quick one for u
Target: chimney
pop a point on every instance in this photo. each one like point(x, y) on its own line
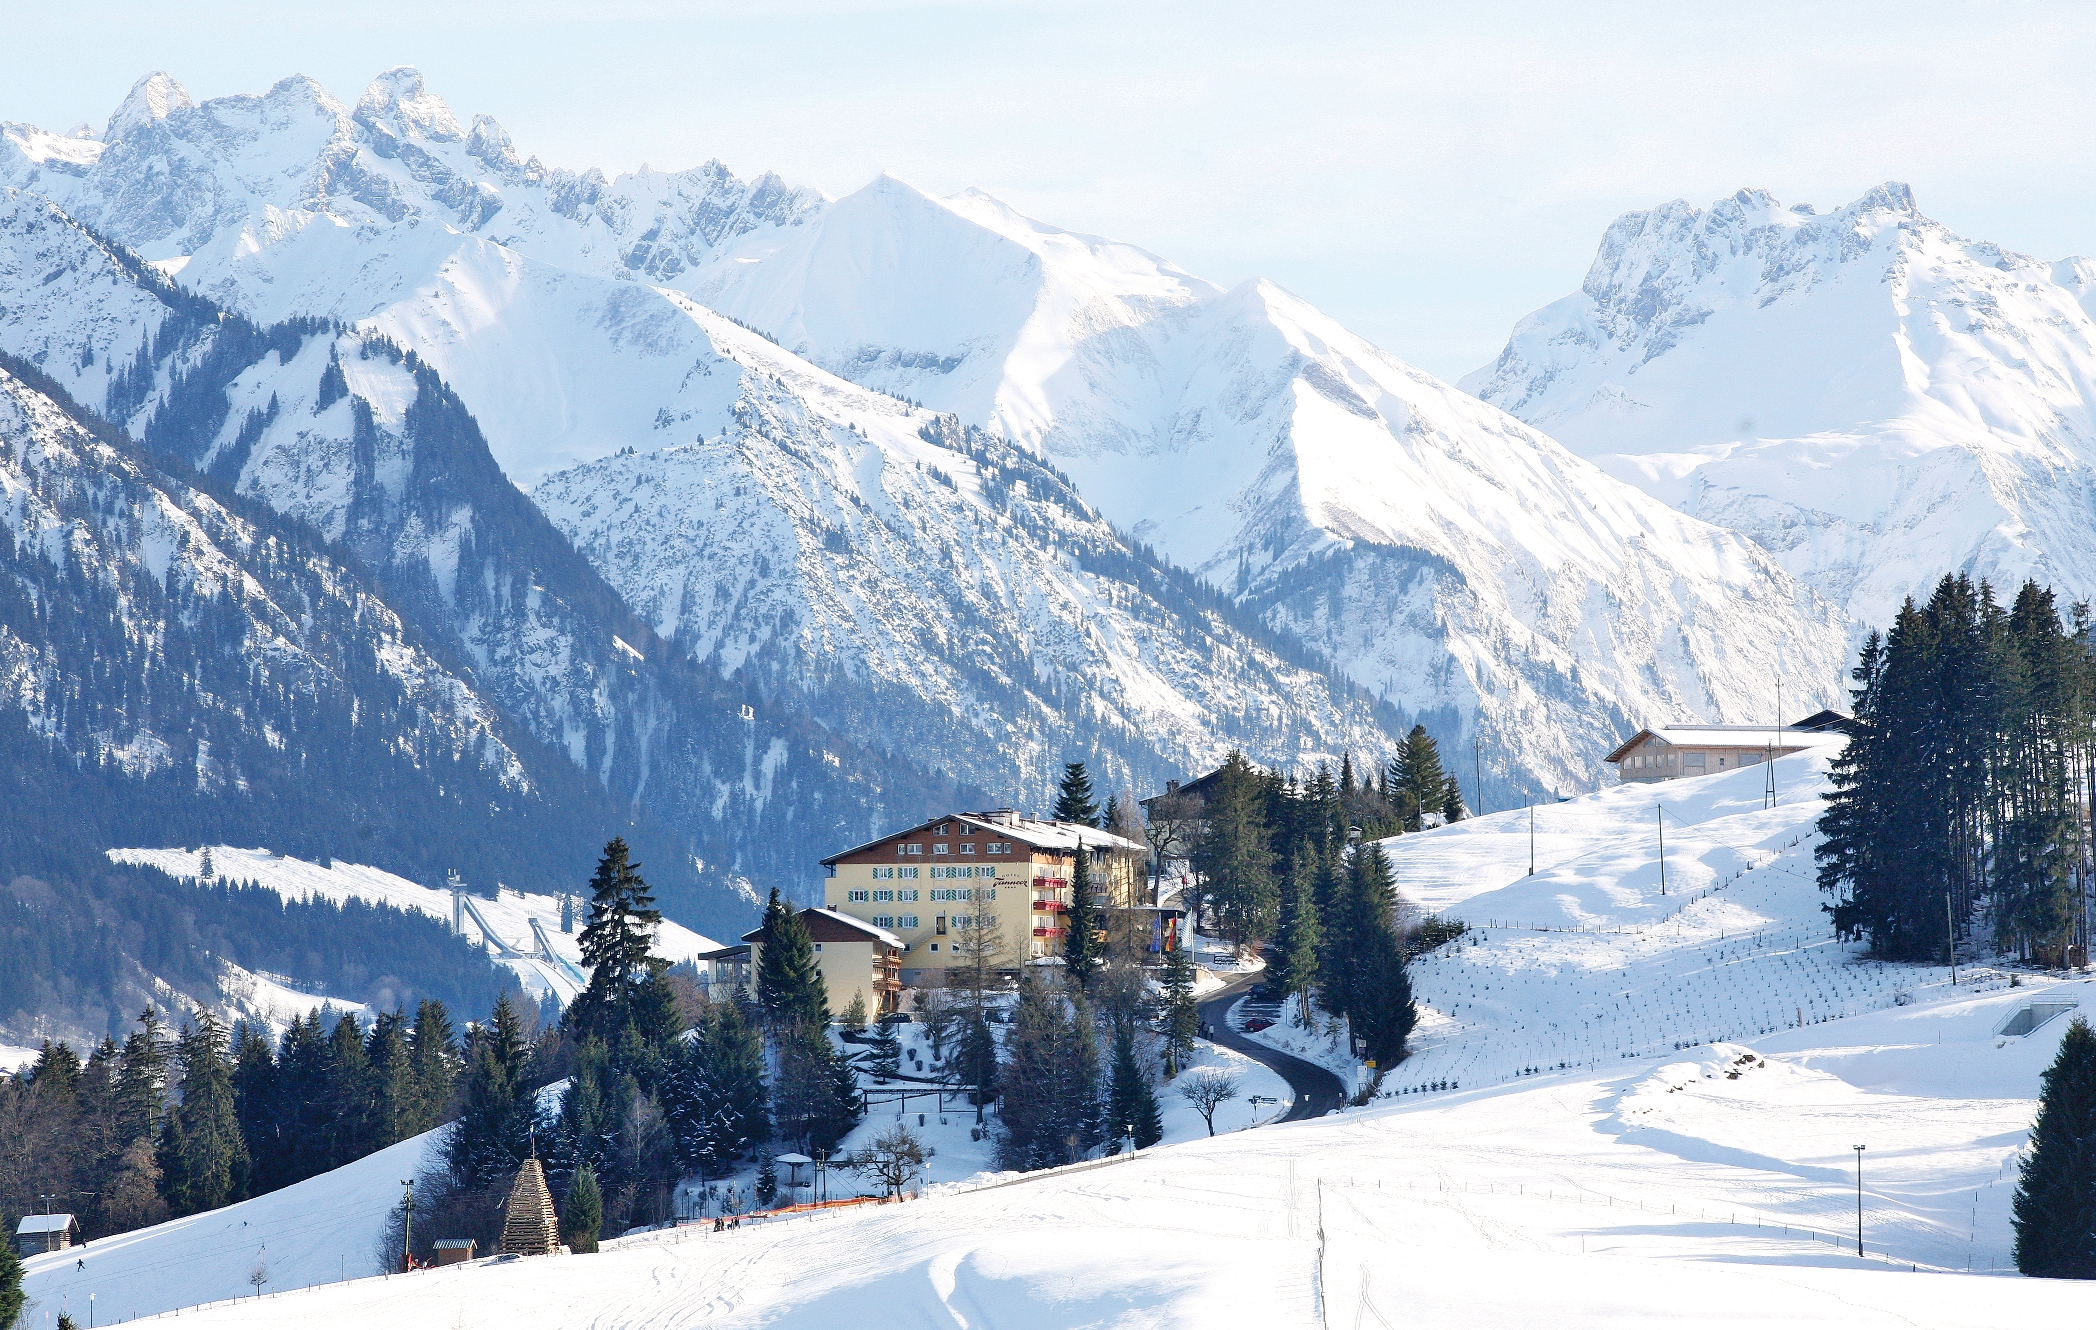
point(1171, 787)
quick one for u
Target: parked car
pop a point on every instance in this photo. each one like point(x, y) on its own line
point(1256, 1024)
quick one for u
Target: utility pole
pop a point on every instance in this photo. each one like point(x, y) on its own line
point(407, 1233)
point(1859, 1200)
point(1531, 836)
point(1768, 793)
point(1477, 770)
point(1660, 814)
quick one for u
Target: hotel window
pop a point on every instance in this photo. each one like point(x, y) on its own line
point(909, 921)
point(908, 895)
point(884, 895)
point(908, 875)
point(913, 849)
point(967, 849)
point(935, 946)
point(967, 830)
point(818, 948)
point(942, 849)
point(943, 827)
point(989, 894)
point(855, 895)
point(884, 921)
point(887, 871)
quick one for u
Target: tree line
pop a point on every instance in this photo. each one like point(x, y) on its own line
point(1961, 804)
point(174, 1122)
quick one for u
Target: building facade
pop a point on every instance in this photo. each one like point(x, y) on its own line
point(1672, 752)
point(993, 884)
point(855, 957)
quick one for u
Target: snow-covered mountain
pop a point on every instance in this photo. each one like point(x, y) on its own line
point(1873, 398)
point(365, 445)
point(1465, 567)
point(989, 639)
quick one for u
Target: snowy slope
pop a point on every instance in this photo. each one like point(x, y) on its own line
point(1870, 396)
point(1465, 567)
point(1694, 1165)
point(314, 1232)
point(510, 914)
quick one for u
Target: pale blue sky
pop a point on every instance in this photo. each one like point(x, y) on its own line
point(1426, 173)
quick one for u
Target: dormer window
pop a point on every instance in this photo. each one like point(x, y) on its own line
point(942, 829)
point(967, 830)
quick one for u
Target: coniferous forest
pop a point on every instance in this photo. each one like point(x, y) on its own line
point(1962, 801)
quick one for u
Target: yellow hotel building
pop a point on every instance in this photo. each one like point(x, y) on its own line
point(932, 884)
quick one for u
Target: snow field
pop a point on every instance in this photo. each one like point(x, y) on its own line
point(510, 915)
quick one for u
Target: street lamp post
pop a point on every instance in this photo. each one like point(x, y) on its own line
point(407, 1230)
point(1859, 1200)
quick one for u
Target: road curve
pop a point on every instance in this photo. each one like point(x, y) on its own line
point(1317, 1091)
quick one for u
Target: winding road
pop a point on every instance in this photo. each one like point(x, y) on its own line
point(1317, 1091)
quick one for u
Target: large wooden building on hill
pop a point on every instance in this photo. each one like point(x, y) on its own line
point(1671, 752)
point(945, 886)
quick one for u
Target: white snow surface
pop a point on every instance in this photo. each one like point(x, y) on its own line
point(1459, 564)
point(510, 914)
point(1873, 398)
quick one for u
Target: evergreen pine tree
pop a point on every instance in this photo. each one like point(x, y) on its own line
point(203, 1159)
point(1131, 1107)
point(1031, 1075)
point(394, 1093)
point(1078, 1110)
point(1452, 801)
point(1233, 857)
point(2055, 1205)
point(493, 1135)
point(616, 943)
point(1074, 801)
point(351, 1103)
point(11, 1295)
point(886, 1062)
point(975, 1062)
point(433, 1057)
point(1081, 941)
point(1417, 772)
point(767, 1181)
point(255, 1097)
point(583, 1215)
point(789, 986)
point(141, 1085)
point(1292, 963)
point(1180, 1017)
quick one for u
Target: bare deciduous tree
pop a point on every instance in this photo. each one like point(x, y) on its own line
point(891, 1158)
point(1207, 1090)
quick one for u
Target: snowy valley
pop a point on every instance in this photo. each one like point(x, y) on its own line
point(1647, 1102)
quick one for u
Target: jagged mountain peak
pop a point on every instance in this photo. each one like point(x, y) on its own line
point(1871, 396)
point(399, 103)
point(153, 98)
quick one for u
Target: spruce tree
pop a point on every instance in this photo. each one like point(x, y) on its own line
point(255, 1097)
point(141, 1086)
point(351, 1104)
point(1292, 963)
point(493, 1134)
point(433, 1056)
point(1233, 857)
point(1081, 941)
point(616, 943)
point(2055, 1205)
point(1031, 1076)
point(789, 986)
point(1074, 801)
point(1078, 1086)
point(886, 1062)
point(11, 1295)
point(583, 1215)
point(1180, 1018)
point(1131, 1106)
point(1417, 772)
point(975, 1062)
point(1452, 801)
point(203, 1159)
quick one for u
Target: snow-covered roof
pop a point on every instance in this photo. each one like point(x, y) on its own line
point(815, 913)
point(1039, 833)
point(34, 1224)
point(1787, 738)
